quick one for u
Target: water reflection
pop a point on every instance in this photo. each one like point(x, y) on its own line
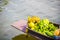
point(24, 37)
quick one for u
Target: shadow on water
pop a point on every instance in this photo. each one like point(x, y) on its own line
point(24, 37)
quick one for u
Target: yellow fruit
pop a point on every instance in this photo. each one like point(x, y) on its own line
point(56, 33)
point(32, 28)
point(31, 24)
point(29, 19)
point(35, 18)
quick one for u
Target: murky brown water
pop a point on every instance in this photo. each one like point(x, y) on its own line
point(24, 37)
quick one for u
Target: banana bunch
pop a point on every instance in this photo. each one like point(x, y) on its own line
point(32, 21)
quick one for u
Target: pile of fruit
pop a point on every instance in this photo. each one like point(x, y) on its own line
point(43, 26)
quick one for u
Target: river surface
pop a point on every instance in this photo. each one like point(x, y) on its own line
point(20, 9)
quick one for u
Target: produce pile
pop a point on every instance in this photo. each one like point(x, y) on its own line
point(42, 26)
